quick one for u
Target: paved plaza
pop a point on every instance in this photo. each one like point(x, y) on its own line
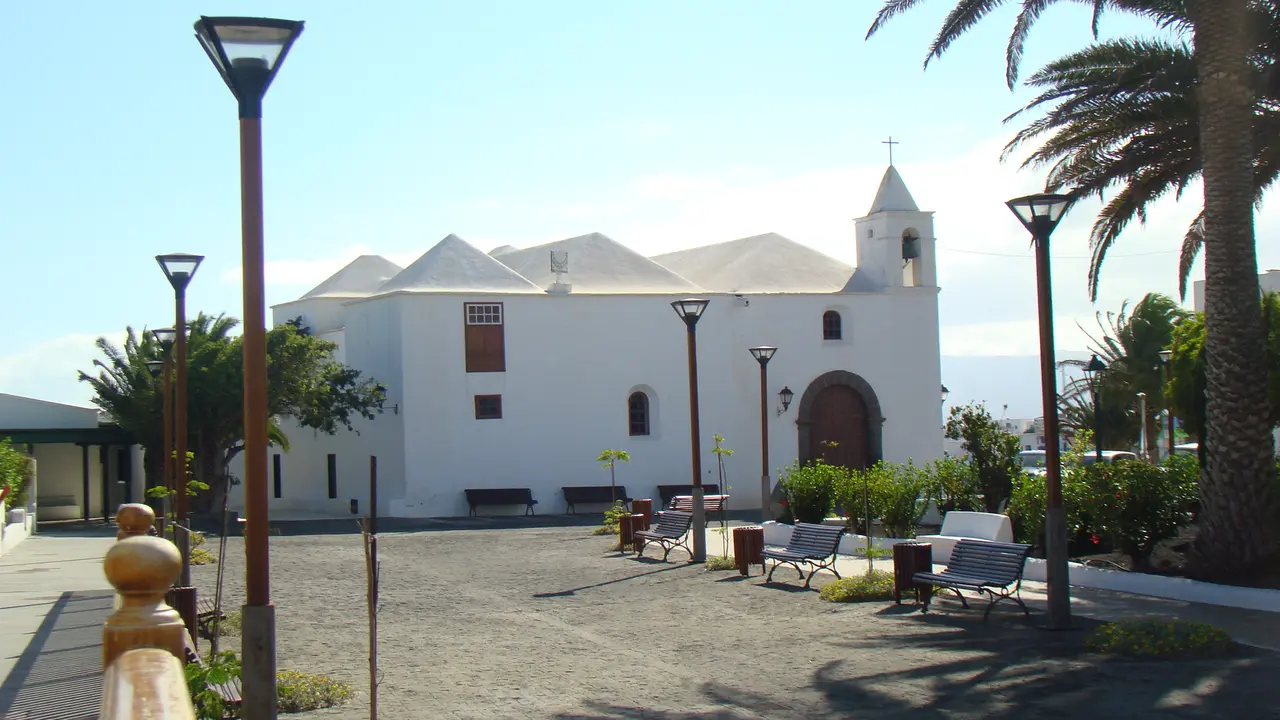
point(545, 622)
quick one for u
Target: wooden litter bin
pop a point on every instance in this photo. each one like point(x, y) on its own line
point(910, 558)
point(627, 527)
point(748, 548)
point(645, 508)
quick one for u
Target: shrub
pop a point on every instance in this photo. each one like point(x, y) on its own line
point(874, 585)
point(955, 484)
point(230, 625)
point(1026, 508)
point(1157, 638)
point(721, 562)
point(15, 472)
point(809, 490)
point(906, 499)
point(1137, 505)
point(301, 692)
point(202, 679)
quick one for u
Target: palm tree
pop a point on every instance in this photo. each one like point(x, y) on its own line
point(1124, 112)
point(1237, 538)
point(1129, 341)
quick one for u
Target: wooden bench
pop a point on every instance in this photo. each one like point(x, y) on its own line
point(985, 567)
point(812, 545)
point(207, 616)
point(501, 496)
point(711, 505)
point(230, 691)
point(594, 494)
point(670, 532)
point(667, 492)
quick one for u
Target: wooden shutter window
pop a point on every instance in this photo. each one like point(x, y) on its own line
point(485, 346)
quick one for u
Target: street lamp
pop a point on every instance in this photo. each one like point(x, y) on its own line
point(784, 398)
point(945, 394)
point(1040, 214)
point(690, 310)
point(1166, 359)
point(247, 53)
point(1094, 371)
point(178, 269)
point(165, 338)
point(763, 354)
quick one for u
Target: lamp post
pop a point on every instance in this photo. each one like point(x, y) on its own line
point(248, 53)
point(1166, 359)
point(1040, 214)
point(1094, 371)
point(763, 354)
point(165, 337)
point(179, 268)
point(690, 310)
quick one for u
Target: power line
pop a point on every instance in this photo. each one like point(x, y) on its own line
point(1029, 256)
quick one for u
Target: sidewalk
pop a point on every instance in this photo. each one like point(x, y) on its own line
point(53, 601)
point(1250, 627)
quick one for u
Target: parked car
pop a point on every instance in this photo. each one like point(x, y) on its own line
point(1033, 460)
point(1187, 449)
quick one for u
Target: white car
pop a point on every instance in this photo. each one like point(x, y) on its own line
point(1033, 460)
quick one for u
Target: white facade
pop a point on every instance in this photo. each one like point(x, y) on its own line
point(1268, 281)
point(578, 345)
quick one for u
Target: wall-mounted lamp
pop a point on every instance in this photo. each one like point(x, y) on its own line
point(784, 396)
point(382, 399)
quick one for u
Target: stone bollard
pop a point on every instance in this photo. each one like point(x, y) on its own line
point(142, 569)
point(133, 520)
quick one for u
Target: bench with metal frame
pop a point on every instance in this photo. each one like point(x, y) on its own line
point(500, 496)
point(810, 544)
point(671, 531)
point(604, 494)
point(668, 492)
point(993, 568)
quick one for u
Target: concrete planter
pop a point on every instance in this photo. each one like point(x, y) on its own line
point(16, 516)
point(778, 535)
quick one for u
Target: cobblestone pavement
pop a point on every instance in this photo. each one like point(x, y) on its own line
point(547, 623)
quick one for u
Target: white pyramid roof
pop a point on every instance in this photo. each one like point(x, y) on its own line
point(893, 195)
point(358, 278)
point(761, 263)
point(597, 264)
point(454, 265)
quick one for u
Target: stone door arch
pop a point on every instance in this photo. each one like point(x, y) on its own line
point(840, 407)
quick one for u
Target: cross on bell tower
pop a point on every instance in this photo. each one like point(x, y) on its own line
point(890, 142)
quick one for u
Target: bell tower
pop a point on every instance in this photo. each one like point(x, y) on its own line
point(896, 246)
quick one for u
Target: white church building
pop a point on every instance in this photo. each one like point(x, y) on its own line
point(502, 373)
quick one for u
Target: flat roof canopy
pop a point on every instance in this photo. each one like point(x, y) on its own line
point(101, 435)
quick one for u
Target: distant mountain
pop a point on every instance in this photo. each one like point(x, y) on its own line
point(997, 380)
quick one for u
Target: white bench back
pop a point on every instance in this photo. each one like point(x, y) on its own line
point(977, 525)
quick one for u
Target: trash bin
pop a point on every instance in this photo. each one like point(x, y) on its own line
point(645, 508)
point(748, 548)
point(628, 525)
point(910, 558)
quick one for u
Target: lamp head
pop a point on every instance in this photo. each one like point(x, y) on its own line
point(1040, 213)
point(945, 393)
point(165, 337)
point(179, 268)
point(1095, 366)
point(1166, 356)
point(763, 354)
point(690, 309)
point(247, 52)
point(784, 396)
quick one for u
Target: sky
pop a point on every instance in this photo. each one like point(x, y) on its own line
point(662, 124)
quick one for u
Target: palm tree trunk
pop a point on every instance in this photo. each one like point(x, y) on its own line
point(1236, 537)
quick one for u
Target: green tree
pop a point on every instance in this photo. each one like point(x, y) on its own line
point(993, 453)
point(1185, 391)
point(304, 382)
point(610, 458)
point(1237, 539)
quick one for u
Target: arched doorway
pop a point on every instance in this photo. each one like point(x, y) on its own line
point(839, 421)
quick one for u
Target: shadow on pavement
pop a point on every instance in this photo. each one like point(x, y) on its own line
point(59, 674)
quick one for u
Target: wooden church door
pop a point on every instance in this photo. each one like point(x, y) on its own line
point(839, 416)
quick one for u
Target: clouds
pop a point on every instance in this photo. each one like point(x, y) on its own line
point(48, 370)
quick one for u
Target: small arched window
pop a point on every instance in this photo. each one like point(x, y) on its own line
point(638, 414)
point(831, 329)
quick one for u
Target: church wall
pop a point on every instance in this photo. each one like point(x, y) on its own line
point(571, 363)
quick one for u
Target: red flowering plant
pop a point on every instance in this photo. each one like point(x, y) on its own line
point(1137, 505)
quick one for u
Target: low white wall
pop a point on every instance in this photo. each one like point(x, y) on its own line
point(12, 533)
point(1162, 586)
